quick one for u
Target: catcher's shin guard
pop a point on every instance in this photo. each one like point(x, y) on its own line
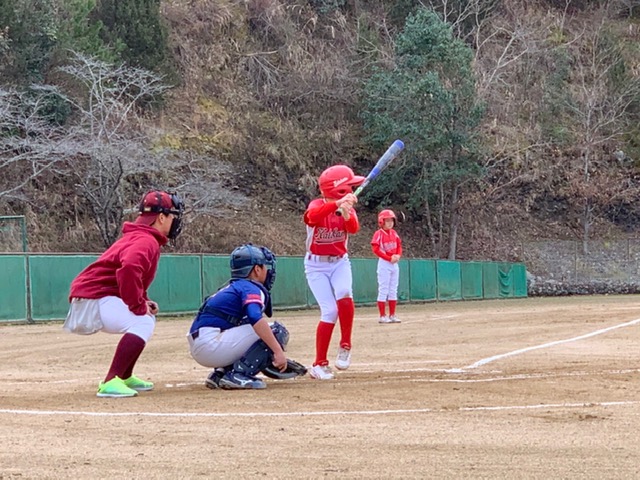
point(259, 356)
point(254, 360)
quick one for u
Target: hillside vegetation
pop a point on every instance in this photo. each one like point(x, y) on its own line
point(521, 119)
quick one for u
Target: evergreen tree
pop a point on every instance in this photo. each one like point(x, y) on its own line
point(429, 101)
point(78, 33)
point(137, 26)
point(30, 31)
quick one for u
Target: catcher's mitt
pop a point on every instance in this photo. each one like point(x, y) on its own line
point(294, 369)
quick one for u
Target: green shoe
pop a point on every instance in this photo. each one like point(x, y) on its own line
point(115, 388)
point(137, 384)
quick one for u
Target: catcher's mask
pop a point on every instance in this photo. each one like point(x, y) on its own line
point(246, 256)
point(384, 215)
point(156, 202)
point(335, 182)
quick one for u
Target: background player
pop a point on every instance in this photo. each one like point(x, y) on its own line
point(114, 288)
point(230, 333)
point(327, 266)
point(387, 246)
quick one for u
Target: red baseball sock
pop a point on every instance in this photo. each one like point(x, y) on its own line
point(127, 353)
point(392, 307)
point(346, 312)
point(323, 339)
point(381, 308)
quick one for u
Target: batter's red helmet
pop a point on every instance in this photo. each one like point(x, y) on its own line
point(384, 215)
point(335, 182)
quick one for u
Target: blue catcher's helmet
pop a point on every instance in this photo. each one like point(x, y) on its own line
point(245, 257)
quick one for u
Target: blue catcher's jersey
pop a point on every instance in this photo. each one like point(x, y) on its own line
point(241, 302)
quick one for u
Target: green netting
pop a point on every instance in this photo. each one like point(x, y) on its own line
point(505, 276)
point(449, 280)
point(471, 274)
point(422, 278)
point(290, 289)
point(177, 284)
point(215, 273)
point(404, 285)
point(51, 277)
point(183, 281)
point(490, 280)
point(13, 294)
point(365, 279)
point(519, 280)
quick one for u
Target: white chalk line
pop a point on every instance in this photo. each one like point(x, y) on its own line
point(484, 361)
point(318, 413)
point(524, 376)
point(397, 374)
point(205, 372)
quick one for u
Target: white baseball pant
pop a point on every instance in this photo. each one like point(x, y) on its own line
point(388, 278)
point(214, 348)
point(329, 281)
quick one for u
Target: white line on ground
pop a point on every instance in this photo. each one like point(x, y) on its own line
point(397, 376)
point(316, 413)
point(484, 361)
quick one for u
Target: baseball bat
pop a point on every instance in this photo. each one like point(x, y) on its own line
point(391, 153)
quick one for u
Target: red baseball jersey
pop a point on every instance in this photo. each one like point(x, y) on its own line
point(386, 243)
point(328, 233)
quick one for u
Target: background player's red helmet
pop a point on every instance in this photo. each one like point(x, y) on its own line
point(385, 214)
point(335, 182)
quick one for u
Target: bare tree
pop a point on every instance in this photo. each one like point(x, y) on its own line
point(599, 103)
point(107, 134)
point(29, 143)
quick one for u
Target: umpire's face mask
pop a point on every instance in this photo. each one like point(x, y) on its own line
point(177, 211)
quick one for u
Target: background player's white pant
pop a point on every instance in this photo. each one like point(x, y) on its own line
point(214, 348)
point(329, 282)
point(117, 318)
point(388, 278)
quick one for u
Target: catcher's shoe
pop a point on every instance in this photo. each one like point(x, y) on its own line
point(344, 359)
point(213, 380)
point(321, 372)
point(394, 319)
point(138, 384)
point(115, 388)
point(235, 381)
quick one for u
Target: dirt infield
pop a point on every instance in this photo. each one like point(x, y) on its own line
point(532, 388)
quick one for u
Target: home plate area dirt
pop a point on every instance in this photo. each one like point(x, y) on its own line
point(520, 388)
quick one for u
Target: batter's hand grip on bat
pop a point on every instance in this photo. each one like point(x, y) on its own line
point(395, 148)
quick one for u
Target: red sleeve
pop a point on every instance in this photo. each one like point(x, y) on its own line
point(380, 253)
point(375, 246)
point(317, 211)
point(352, 225)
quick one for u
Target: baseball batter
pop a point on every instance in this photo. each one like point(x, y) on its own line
point(387, 246)
point(111, 293)
point(327, 266)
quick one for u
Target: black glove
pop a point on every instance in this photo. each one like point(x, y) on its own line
point(294, 369)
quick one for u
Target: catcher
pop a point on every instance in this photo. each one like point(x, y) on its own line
point(230, 333)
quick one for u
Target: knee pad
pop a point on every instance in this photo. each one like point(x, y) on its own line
point(281, 333)
point(255, 359)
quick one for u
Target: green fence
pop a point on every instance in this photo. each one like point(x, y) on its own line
point(39, 286)
point(13, 293)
